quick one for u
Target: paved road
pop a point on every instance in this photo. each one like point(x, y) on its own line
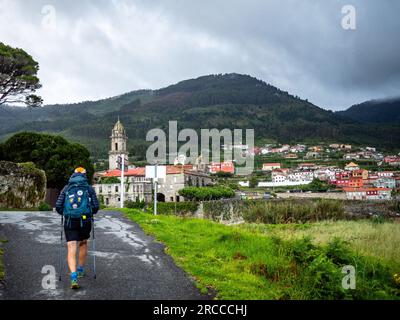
point(130, 264)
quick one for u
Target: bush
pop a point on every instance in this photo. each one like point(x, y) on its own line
point(135, 204)
point(222, 174)
point(109, 180)
point(293, 212)
point(206, 193)
point(44, 206)
point(316, 186)
point(182, 208)
point(319, 270)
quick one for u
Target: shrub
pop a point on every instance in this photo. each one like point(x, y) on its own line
point(319, 272)
point(109, 180)
point(293, 212)
point(182, 208)
point(44, 206)
point(206, 193)
point(135, 204)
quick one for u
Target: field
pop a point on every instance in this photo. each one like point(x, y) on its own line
point(379, 240)
point(281, 261)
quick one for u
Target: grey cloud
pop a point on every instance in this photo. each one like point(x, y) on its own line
point(102, 48)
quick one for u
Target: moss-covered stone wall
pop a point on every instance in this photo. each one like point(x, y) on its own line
point(22, 185)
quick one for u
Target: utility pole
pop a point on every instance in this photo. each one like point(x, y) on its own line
point(122, 181)
point(174, 198)
point(155, 189)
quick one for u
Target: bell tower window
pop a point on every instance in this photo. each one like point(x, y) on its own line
point(116, 146)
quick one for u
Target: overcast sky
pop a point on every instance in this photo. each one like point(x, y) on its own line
point(89, 50)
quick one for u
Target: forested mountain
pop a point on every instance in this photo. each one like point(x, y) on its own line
point(375, 111)
point(214, 101)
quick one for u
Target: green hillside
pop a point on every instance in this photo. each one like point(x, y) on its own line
point(375, 111)
point(214, 101)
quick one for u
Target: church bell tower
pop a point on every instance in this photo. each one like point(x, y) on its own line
point(118, 145)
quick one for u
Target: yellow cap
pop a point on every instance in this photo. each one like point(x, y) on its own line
point(80, 170)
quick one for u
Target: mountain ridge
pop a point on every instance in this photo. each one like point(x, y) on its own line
point(374, 111)
point(213, 101)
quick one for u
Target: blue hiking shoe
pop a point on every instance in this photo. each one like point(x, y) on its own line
point(74, 280)
point(81, 272)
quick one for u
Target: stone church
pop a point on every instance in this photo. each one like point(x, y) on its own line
point(137, 186)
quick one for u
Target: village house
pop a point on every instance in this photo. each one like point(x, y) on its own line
point(291, 156)
point(312, 155)
point(297, 148)
point(137, 187)
point(351, 156)
point(397, 179)
point(226, 166)
point(392, 160)
point(271, 166)
point(385, 182)
point(385, 174)
point(351, 182)
point(307, 166)
point(340, 146)
point(315, 149)
point(361, 173)
point(301, 176)
point(368, 193)
point(279, 178)
point(351, 166)
point(327, 174)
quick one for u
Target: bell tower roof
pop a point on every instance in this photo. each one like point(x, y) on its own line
point(119, 127)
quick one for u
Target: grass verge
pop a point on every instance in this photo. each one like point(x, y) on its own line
point(2, 271)
point(241, 263)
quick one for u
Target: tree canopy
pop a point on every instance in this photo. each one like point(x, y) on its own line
point(53, 154)
point(18, 77)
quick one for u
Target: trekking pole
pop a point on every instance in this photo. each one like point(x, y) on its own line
point(60, 251)
point(94, 248)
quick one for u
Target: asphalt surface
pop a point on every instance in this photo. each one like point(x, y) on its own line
point(129, 264)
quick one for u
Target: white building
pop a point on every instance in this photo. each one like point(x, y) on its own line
point(301, 176)
point(279, 178)
point(368, 193)
point(385, 174)
point(270, 166)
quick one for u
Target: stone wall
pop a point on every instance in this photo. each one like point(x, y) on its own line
point(321, 195)
point(22, 186)
point(230, 211)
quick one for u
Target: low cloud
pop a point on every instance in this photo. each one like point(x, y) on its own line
point(97, 49)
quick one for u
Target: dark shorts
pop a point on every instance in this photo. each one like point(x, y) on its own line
point(74, 231)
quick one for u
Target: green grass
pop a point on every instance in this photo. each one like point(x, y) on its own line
point(249, 262)
point(2, 272)
point(379, 240)
point(17, 209)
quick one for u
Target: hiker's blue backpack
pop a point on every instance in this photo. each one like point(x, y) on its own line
point(77, 200)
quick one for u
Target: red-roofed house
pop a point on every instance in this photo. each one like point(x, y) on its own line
point(306, 166)
point(368, 193)
point(271, 166)
point(392, 160)
point(226, 166)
